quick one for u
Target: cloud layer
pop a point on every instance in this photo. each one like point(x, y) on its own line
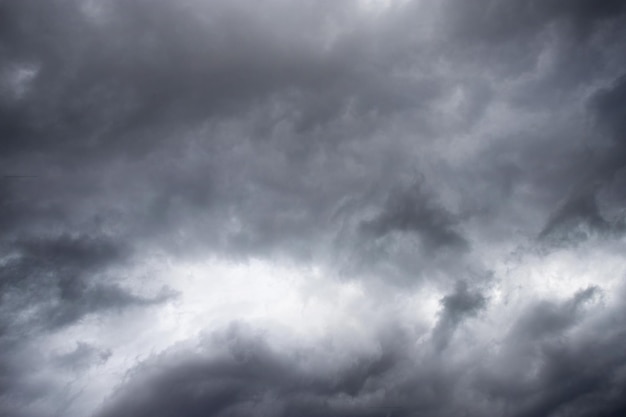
point(312, 208)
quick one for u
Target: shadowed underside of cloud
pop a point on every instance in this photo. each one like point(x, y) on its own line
point(453, 170)
point(456, 307)
point(581, 213)
point(57, 280)
point(535, 372)
point(53, 283)
point(413, 211)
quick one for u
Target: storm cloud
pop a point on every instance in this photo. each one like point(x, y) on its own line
point(312, 208)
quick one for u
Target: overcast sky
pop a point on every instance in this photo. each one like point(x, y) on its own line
point(299, 208)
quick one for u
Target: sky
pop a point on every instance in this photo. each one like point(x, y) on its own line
point(312, 208)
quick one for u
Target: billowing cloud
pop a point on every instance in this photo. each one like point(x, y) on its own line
point(316, 208)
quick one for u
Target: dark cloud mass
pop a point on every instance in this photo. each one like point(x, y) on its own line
point(312, 208)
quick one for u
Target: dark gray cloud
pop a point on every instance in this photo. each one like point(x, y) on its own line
point(577, 214)
point(414, 211)
point(604, 170)
point(458, 165)
point(59, 277)
point(457, 306)
point(83, 356)
point(608, 106)
point(248, 377)
point(502, 21)
point(550, 372)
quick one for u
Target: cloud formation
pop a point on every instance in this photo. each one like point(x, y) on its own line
point(312, 208)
